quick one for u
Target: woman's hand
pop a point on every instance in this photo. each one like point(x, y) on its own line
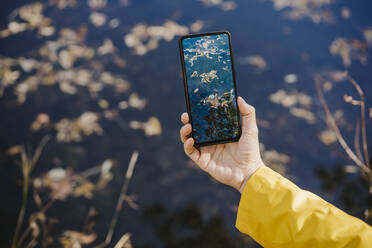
point(231, 163)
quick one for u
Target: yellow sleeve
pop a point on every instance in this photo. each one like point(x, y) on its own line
point(277, 213)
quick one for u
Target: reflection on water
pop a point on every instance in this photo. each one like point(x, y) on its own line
point(187, 227)
point(348, 188)
point(102, 79)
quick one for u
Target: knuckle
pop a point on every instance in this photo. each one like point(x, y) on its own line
point(185, 149)
point(184, 117)
point(181, 133)
point(184, 129)
point(251, 109)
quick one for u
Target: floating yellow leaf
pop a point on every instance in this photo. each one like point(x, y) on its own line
point(351, 169)
point(16, 27)
point(290, 78)
point(62, 4)
point(337, 76)
point(8, 77)
point(367, 33)
point(290, 99)
point(46, 31)
point(349, 49)
point(106, 48)
point(315, 10)
point(106, 175)
point(58, 181)
point(28, 65)
point(66, 59)
point(276, 160)
point(57, 174)
point(72, 239)
point(151, 127)
point(67, 87)
point(303, 114)
point(42, 120)
point(136, 102)
point(73, 130)
point(257, 61)
point(29, 84)
point(350, 99)
point(97, 4)
point(83, 77)
point(228, 5)
point(345, 13)
point(86, 189)
point(103, 103)
point(224, 5)
point(123, 105)
point(197, 26)
point(97, 19)
point(32, 13)
point(328, 137)
point(114, 23)
point(143, 38)
point(14, 150)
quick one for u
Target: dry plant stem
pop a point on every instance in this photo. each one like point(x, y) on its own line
point(44, 239)
point(38, 151)
point(28, 230)
point(28, 164)
point(31, 244)
point(23, 208)
point(91, 171)
point(123, 192)
point(356, 140)
point(123, 240)
point(363, 120)
point(332, 124)
point(339, 152)
point(24, 235)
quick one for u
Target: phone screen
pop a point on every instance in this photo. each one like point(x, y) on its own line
point(210, 88)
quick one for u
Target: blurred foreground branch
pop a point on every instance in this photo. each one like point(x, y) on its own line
point(363, 119)
point(27, 164)
point(119, 204)
point(331, 123)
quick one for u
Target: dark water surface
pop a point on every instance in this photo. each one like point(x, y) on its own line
point(177, 202)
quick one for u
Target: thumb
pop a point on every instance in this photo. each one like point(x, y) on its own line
point(248, 114)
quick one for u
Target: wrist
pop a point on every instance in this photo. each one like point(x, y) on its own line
point(248, 175)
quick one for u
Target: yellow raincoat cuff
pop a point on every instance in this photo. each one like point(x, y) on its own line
point(251, 202)
point(277, 213)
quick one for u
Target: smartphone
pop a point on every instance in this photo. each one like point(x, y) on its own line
point(210, 87)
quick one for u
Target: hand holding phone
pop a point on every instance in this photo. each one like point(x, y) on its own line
point(231, 163)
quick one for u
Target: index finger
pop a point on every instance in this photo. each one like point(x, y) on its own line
point(185, 118)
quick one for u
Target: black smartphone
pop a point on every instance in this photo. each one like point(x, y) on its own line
point(210, 87)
